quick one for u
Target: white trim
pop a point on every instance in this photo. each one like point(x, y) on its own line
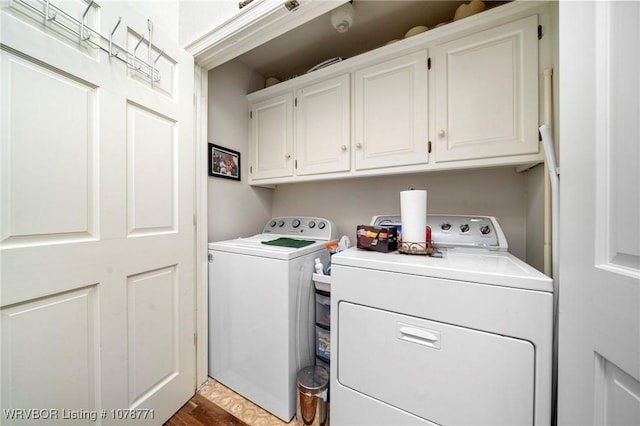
point(599, 387)
point(602, 126)
point(263, 21)
point(201, 226)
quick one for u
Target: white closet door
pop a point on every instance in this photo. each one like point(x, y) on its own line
point(599, 350)
point(96, 227)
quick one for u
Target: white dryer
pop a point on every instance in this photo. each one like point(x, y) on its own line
point(261, 322)
point(461, 339)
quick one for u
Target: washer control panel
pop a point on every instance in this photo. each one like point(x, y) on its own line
point(301, 226)
point(457, 230)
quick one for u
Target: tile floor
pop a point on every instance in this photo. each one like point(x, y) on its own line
point(240, 407)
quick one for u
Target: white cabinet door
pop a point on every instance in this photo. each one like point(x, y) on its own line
point(272, 137)
point(391, 113)
point(97, 281)
point(485, 93)
point(323, 127)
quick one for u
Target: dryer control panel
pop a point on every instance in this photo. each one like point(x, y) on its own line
point(457, 230)
point(300, 226)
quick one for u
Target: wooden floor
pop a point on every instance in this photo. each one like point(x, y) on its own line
point(199, 411)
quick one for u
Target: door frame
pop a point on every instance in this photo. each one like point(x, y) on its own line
point(257, 23)
point(200, 114)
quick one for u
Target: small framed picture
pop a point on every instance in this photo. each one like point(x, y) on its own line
point(224, 162)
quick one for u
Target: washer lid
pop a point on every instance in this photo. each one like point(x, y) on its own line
point(462, 264)
point(253, 246)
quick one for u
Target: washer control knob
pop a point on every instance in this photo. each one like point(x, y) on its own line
point(295, 223)
point(321, 225)
point(312, 224)
point(272, 224)
point(445, 226)
point(464, 228)
point(485, 229)
point(281, 223)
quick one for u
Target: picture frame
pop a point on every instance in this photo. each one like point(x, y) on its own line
point(224, 162)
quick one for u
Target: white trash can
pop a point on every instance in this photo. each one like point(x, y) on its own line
point(313, 384)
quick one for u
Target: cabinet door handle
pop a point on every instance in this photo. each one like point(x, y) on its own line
point(358, 145)
point(441, 133)
point(287, 156)
point(343, 147)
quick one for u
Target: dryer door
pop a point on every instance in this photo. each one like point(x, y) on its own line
point(439, 372)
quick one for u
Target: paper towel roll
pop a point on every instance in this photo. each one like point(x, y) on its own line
point(413, 212)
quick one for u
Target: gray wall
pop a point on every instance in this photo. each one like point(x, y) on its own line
point(235, 208)
point(499, 192)
point(535, 217)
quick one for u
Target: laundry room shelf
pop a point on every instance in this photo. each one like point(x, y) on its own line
point(322, 282)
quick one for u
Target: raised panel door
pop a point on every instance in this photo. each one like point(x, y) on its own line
point(323, 127)
point(485, 93)
point(272, 137)
point(96, 232)
point(391, 113)
point(599, 307)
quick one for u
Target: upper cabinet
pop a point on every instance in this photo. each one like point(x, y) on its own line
point(271, 142)
point(323, 130)
point(484, 92)
point(302, 132)
point(390, 103)
point(459, 96)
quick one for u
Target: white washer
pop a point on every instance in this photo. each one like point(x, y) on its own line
point(457, 340)
point(260, 310)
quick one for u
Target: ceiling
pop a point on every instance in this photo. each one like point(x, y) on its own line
point(376, 22)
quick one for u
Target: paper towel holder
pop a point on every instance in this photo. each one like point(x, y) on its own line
point(407, 247)
point(422, 247)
